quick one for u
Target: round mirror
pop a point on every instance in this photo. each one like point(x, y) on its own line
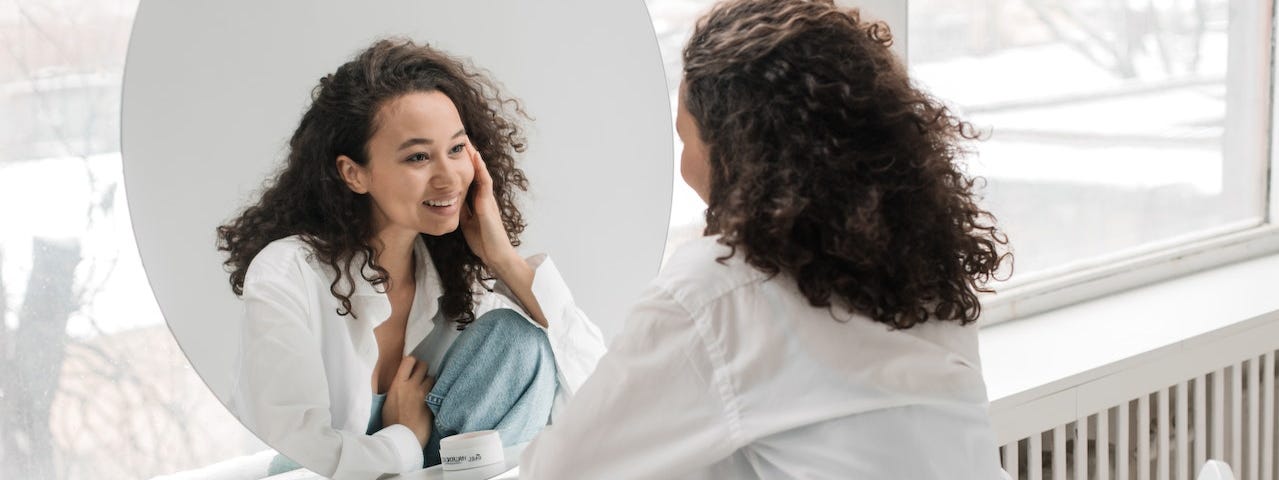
point(213, 90)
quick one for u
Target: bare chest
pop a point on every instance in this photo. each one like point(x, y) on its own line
point(390, 340)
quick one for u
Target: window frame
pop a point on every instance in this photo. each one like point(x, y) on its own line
point(1152, 263)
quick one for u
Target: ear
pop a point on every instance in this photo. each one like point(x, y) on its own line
point(355, 176)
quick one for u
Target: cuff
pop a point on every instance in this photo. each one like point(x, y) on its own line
point(549, 288)
point(407, 449)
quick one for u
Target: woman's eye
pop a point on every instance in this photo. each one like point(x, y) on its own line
point(458, 148)
point(418, 157)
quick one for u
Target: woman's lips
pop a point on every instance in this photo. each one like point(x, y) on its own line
point(444, 210)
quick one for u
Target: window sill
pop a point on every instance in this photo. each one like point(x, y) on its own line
point(1047, 365)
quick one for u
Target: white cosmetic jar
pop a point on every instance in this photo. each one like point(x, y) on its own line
point(472, 455)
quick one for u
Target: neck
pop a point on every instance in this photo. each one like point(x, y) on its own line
point(394, 252)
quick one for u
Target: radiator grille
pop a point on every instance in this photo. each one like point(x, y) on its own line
point(1168, 434)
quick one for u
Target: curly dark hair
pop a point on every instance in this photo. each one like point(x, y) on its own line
point(828, 165)
point(309, 198)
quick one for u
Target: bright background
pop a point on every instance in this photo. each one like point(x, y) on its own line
point(1115, 127)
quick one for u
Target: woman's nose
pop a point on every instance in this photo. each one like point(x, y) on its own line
point(443, 178)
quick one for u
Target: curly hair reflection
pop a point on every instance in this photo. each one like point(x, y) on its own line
point(309, 198)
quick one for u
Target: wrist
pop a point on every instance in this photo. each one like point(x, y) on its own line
point(510, 267)
point(422, 431)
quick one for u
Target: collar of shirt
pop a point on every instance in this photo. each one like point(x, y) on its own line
point(372, 306)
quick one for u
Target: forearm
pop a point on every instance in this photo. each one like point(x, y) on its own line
point(518, 277)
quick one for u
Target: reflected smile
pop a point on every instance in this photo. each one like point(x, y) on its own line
point(443, 205)
point(448, 202)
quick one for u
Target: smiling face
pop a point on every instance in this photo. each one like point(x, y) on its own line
point(418, 171)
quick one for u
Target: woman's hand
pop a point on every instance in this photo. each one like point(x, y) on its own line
point(482, 220)
point(486, 235)
point(406, 399)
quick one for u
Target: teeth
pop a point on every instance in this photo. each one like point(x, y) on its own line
point(442, 203)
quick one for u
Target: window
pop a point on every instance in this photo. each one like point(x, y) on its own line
point(1128, 141)
point(92, 385)
point(1114, 125)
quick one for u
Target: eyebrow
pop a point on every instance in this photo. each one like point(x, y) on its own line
point(426, 141)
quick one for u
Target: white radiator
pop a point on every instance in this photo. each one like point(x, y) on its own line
point(1225, 414)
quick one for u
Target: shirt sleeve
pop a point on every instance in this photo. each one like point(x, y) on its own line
point(575, 340)
point(654, 408)
point(283, 393)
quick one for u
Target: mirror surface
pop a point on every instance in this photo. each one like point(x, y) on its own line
point(213, 90)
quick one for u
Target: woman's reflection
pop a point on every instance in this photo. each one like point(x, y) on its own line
point(378, 270)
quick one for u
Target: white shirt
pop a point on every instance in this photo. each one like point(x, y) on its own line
point(721, 372)
point(304, 383)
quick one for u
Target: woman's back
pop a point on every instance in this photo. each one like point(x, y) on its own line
point(833, 185)
point(724, 372)
point(816, 394)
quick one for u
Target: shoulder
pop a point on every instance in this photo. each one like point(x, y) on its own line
point(280, 258)
point(695, 276)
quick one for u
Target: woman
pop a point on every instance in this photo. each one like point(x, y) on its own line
point(824, 326)
point(370, 331)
